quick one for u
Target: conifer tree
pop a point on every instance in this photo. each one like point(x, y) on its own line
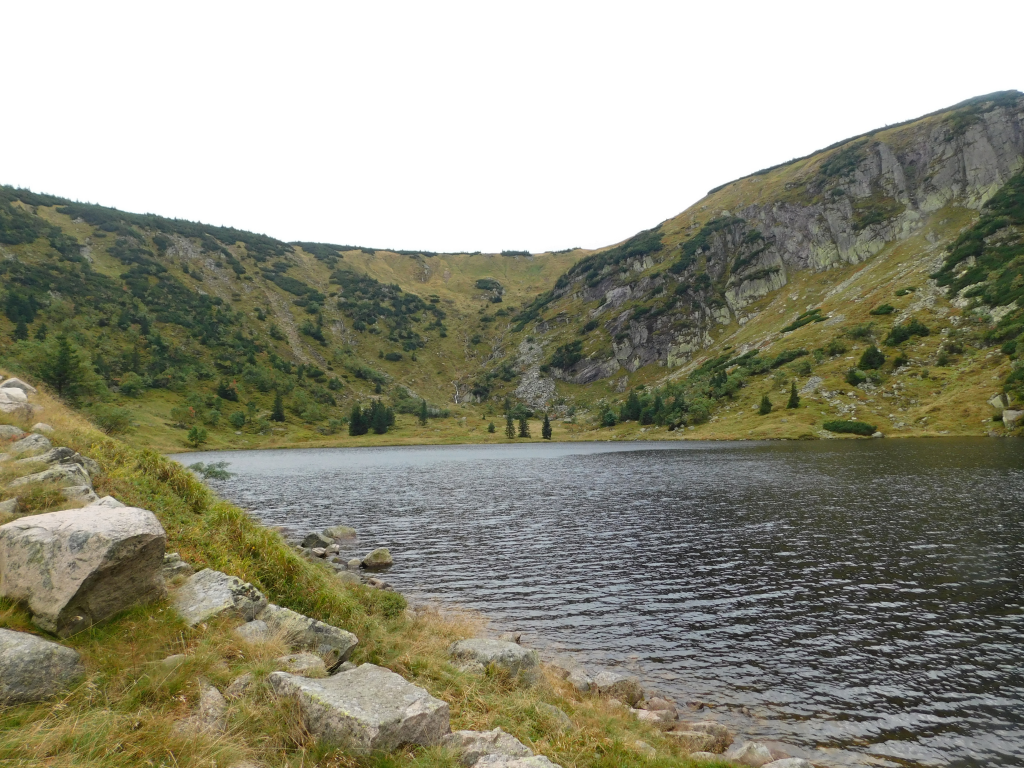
point(423, 413)
point(510, 430)
point(278, 412)
point(41, 332)
point(545, 429)
point(62, 369)
point(794, 398)
point(524, 427)
point(21, 331)
point(766, 406)
point(491, 428)
point(356, 422)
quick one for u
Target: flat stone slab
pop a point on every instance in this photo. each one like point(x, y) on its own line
point(508, 657)
point(306, 664)
point(209, 594)
point(472, 745)
point(79, 566)
point(62, 474)
point(33, 669)
point(334, 644)
point(365, 710)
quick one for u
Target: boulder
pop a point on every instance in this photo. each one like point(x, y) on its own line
point(663, 719)
point(315, 540)
point(335, 645)
point(57, 456)
point(570, 670)
point(750, 753)
point(999, 402)
point(254, 631)
point(625, 688)
point(62, 474)
point(318, 552)
point(354, 563)
point(472, 745)
point(561, 720)
point(16, 410)
point(378, 584)
point(32, 669)
point(657, 703)
point(79, 493)
point(14, 383)
point(789, 762)
point(509, 658)
point(340, 532)
point(378, 559)
point(77, 567)
point(210, 594)
point(13, 395)
point(173, 564)
point(512, 637)
point(9, 507)
point(721, 737)
point(1012, 418)
point(367, 709)
point(692, 741)
point(110, 502)
point(239, 686)
point(8, 432)
point(504, 761)
point(305, 664)
point(32, 444)
point(348, 577)
point(211, 715)
point(41, 428)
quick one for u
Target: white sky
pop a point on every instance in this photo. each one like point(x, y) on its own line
point(464, 126)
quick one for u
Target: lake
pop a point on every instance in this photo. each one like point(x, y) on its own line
point(862, 597)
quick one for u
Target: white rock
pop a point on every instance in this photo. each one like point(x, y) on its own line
point(110, 503)
point(211, 593)
point(80, 566)
point(79, 493)
point(472, 745)
point(1011, 418)
point(62, 474)
point(14, 383)
point(13, 395)
point(661, 718)
point(751, 753)
point(503, 761)
point(32, 669)
point(365, 710)
point(510, 658)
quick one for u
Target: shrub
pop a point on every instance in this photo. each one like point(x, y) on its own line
point(183, 415)
point(811, 316)
point(113, 421)
point(794, 398)
point(591, 325)
point(215, 470)
point(860, 332)
point(904, 331)
point(132, 384)
point(237, 419)
point(900, 360)
point(196, 437)
point(609, 419)
point(394, 357)
point(567, 355)
point(803, 368)
point(850, 427)
point(872, 359)
point(883, 309)
point(835, 347)
point(855, 377)
point(905, 291)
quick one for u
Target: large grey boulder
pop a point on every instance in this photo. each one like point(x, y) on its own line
point(619, 686)
point(32, 444)
point(32, 669)
point(16, 410)
point(472, 745)
point(62, 474)
point(315, 540)
point(507, 657)
point(80, 566)
point(378, 559)
point(210, 594)
point(752, 753)
point(8, 432)
point(365, 710)
point(1011, 418)
point(79, 494)
point(334, 644)
point(13, 395)
point(15, 383)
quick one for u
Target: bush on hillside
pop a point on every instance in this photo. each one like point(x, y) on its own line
point(850, 427)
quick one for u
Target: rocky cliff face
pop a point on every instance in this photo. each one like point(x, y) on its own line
point(745, 240)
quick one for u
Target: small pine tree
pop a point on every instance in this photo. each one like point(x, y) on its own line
point(524, 427)
point(423, 413)
point(510, 429)
point(794, 398)
point(545, 429)
point(377, 388)
point(278, 412)
point(62, 369)
point(491, 429)
point(41, 332)
point(766, 406)
point(21, 331)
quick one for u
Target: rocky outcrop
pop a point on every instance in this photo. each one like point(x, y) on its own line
point(366, 709)
point(33, 669)
point(210, 715)
point(77, 567)
point(62, 475)
point(209, 594)
point(1012, 418)
point(173, 565)
point(333, 644)
point(477, 654)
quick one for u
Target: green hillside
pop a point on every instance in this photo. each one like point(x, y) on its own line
point(882, 278)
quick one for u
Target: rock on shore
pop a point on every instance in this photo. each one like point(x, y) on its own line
point(32, 669)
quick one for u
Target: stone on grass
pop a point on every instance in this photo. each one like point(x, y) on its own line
point(789, 762)
point(570, 670)
point(16, 410)
point(31, 444)
point(79, 493)
point(9, 507)
point(255, 631)
point(379, 558)
point(662, 719)
point(211, 714)
point(367, 709)
point(15, 383)
point(657, 703)
point(348, 577)
point(512, 659)
point(511, 637)
point(623, 687)
point(752, 753)
point(692, 741)
point(172, 662)
point(1011, 417)
point(32, 669)
point(721, 737)
point(333, 644)
point(340, 532)
point(306, 664)
point(13, 395)
point(42, 428)
point(53, 456)
point(211, 594)
point(645, 748)
point(173, 564)
point(9, 432)
point(472, 745)
point(110, 502)
point(561, 720)
point(80, 566)
point(239, 686)
point(62, 475)
point(315, 540)
point(504, 761)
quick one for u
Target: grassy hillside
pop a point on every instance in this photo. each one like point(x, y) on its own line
point(123, 713)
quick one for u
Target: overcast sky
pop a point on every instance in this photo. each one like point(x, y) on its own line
point(464, 126)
